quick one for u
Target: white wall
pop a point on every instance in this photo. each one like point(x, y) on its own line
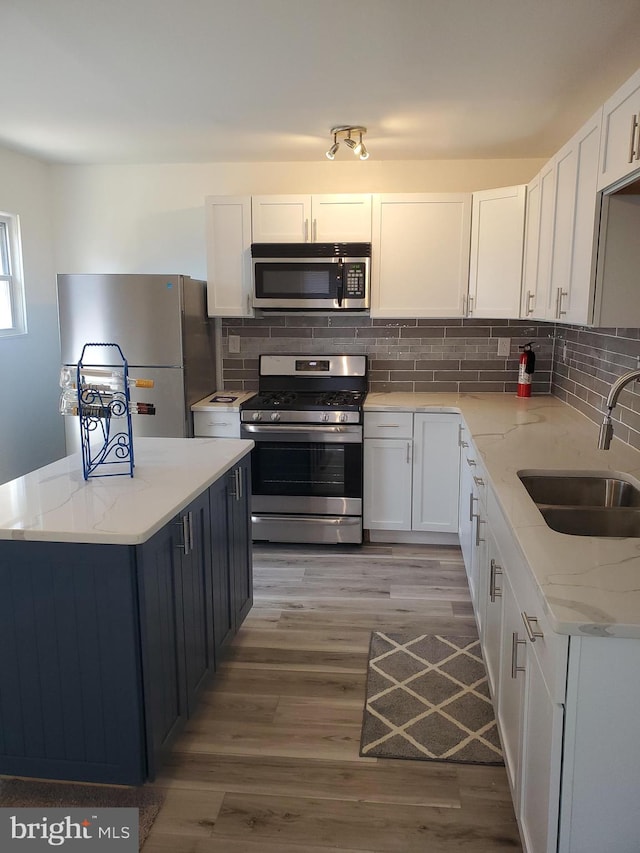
point(151, 218)
point(31, 430)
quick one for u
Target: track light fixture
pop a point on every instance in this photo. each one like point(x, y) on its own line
point(358, 148)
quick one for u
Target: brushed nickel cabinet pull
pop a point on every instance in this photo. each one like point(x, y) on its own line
point(528, 306)
point(186, 534)
point(461, 441)
point(494, 592)
point(633, 152)
point(306, 231)
point(478, 480)
point(479, 538)
point(315, 230)
point(515, 642)
point(408, 452)
point(559, 295)
point(471, 462)
point(531, 633)
point(472, 498)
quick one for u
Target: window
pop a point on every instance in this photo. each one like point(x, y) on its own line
point(12, 313)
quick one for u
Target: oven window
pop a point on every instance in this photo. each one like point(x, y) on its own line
point(309, 469)
point(296, 281)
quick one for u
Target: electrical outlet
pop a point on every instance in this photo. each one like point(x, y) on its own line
point(504, 346)
point(234, 343)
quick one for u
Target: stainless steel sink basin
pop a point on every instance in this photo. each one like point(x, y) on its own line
point(585, 503)
point(591, 521)
point(580, 490)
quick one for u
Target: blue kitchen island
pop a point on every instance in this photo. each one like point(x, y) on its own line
point(117, 596)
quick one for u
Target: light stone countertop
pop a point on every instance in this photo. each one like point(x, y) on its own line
point(56, 504)
point(589, 585)
point(207, 404)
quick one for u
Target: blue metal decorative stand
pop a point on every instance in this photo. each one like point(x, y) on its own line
point(101, 409)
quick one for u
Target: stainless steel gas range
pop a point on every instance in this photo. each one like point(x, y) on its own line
point(306, 422)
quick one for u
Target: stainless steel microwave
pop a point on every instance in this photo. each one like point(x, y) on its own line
point(303, 276)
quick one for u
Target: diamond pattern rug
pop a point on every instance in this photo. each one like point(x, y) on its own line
point(428, 698)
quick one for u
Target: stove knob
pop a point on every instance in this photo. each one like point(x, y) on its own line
point(343, 417)
point(257, 416)
point(325, 417)
point(275, 416)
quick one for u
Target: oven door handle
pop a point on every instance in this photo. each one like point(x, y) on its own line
point(348, 433)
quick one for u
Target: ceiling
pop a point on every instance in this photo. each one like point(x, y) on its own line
point(150, 81)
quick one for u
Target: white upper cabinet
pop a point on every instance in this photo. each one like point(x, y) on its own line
point(420, 254)
point(311, 219)
point(530, 253)
point(538, 243)
point(228, 229)
point(280, 218)
point(341, 218)
point(497, 236)
point(620, 148)
point(570, 296)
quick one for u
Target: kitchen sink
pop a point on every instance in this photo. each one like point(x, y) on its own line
point(585, 503)
point(580, 490)
point(593, 521)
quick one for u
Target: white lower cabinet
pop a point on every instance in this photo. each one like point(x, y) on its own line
point(387, 483)
point(565, 706)
point(472, 517)
point(542, 729)
point(510, 696)
point(411, 469)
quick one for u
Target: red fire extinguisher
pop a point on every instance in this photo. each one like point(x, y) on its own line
point(526, 368)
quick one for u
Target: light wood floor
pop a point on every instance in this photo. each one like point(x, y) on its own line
point(270, 762)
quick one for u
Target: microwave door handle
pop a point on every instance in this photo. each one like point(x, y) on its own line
point(340, 282)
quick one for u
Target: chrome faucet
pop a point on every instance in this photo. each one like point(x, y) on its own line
point(606, 428)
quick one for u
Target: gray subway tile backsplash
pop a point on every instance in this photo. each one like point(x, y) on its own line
point(576, 363)
point(404, 355)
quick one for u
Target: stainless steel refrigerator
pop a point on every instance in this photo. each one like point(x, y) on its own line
point(160, 322)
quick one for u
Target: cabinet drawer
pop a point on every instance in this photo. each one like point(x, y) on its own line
point(388, 425)
point(216, 424)
point(550, 649)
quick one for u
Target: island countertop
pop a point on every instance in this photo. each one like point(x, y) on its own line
point(588, 585)
point(56, 504)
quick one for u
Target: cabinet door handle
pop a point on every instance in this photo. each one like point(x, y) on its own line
point(408, 452)
point(470, 304)
point(471, 462)
point(306, 231)
point(388, 426)
point(479, 539)
point(515, 642)
point(248, 303)
point(531, 633)
point(315, 230)
point(633, 152)
point(461, 441)
point(478, 480)
point(186, 536)
point(472, 498)
point(236, 491)
point(528, 306)
point(494, 592)
point(191, 536)
point(560, 293)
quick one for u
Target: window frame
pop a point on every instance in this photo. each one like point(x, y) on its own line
point(15, 277)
